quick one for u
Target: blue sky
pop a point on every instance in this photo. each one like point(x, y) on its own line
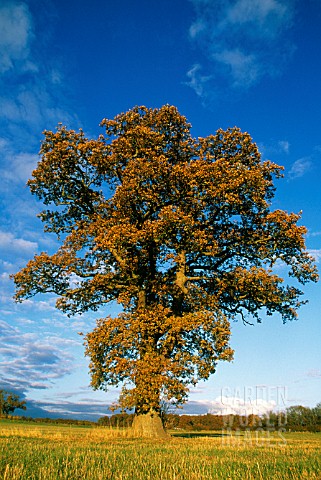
point(251, 63)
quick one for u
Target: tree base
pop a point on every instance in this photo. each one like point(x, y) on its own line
point(149, 425)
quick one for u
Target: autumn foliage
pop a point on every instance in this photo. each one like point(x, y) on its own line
point(176, 229)
point(9, 402)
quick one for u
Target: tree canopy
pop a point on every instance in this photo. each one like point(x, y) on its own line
point(176, 229)
point(9, 402)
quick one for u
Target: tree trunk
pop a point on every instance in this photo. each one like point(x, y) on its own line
point(149, 425)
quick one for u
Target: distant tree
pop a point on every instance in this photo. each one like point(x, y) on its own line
point(9, 402)
point(274, 420)
point(172, 421)
point(299, 417)
point(121, 420)
point(177, 230)
point(316, 413)
point(304, 418)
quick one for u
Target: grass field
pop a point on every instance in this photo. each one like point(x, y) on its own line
point(48, 452)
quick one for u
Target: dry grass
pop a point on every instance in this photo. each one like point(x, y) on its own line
point(49, 452)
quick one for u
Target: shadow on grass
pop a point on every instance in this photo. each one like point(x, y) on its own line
point(198, 434)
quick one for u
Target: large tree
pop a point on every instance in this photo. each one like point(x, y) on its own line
point(176, 229)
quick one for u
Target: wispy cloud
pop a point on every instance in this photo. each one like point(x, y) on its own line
point(315, 253)
point(20, 167)
point(32, 91)
point(40, 305)
point(32, 98)
point(265, 17)
point(242, 40)
point(8, 241)
point(314, 234)
point(314, 373)
point(243, 68)
point(16, 34)
point(196, 80)
point(306, 164)
point(90, 410)
point(34, 104)
point(274, 149)
point(30, 362)
point(284, 146)
point(300, 167)
point(196, 28)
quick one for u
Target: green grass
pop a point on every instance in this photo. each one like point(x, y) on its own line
point(48, 452)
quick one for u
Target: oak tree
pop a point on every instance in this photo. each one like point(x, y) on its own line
point(176, 229)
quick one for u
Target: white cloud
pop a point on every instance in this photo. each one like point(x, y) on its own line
point(265, 16)
point(9, 242)
point(275, 148)
point(56, 77)
point(6, 265)
point(196, 28)
point(31, 361)
point(3, 144)
point(239, 406)
point(18, 167)
point(34, 105)
point(242, 40)
point(24, 321)
point(9, 109)
point(41, 305)
point(300, 167)
point(315, 253)
point(197, 81)
point(243, 68)
point(24, 164)
point(32, 92)
point(284, 146)
point(16, 32)
point(5, 277)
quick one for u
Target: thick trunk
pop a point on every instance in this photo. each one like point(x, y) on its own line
point(149, 425)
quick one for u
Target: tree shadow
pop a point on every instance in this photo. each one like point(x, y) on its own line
point(198, 434)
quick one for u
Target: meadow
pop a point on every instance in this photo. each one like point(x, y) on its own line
point(50, 452)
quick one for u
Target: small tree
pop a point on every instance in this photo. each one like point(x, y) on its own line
point(9, 402)
point(177, 230)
